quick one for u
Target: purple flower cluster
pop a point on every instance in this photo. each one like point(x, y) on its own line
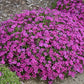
point(46, 42)
point(74, 7)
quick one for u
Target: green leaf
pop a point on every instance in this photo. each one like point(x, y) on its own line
point(48, 58)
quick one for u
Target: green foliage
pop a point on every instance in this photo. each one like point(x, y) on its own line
point(54, 4)
point(48, 58)
point(8, 77)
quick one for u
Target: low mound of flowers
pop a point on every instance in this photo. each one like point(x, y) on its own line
point(46, 42)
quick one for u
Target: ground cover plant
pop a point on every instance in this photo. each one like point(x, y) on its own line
point(46, 42)
point(7, 76)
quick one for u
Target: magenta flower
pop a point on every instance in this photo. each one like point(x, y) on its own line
point(2, 62)
point(0, 74)
point(41, 44)
point(61, 76)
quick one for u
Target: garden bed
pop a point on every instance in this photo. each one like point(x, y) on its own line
point(50, 39)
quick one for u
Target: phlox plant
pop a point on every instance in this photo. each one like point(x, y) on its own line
point(46, 42)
